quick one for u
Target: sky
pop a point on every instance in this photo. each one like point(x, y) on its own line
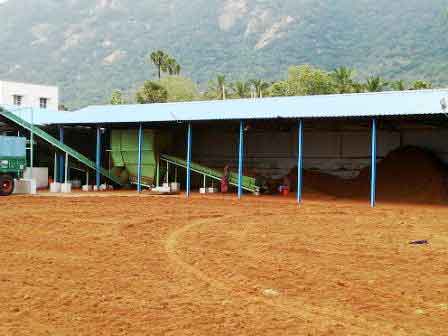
point(2, 1)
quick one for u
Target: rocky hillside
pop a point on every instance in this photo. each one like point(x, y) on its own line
point(90, 47)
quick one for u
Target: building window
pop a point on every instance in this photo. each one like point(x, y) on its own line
point(17, 99)
point(43, 102)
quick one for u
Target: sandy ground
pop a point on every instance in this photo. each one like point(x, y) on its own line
point(215, 266)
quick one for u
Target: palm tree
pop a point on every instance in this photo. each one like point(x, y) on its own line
point(218, 87)
point(241, 89)
point(343, 80)
point(398, 85)
point(421, 85)
point(358, 87)
point(159, 59)
point(177, 69)
point(172, 67)
point(260, 87)
point(376, 84)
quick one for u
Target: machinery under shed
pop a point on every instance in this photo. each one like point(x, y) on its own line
point(353, 145)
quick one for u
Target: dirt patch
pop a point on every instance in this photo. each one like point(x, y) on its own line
point(214, 266)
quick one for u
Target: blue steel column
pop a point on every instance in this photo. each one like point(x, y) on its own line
point(300, 161)
point(189, 142)
point(139, 168)
point(240, 160)
point(60, 178)
point(373, 164)
point(98, 156)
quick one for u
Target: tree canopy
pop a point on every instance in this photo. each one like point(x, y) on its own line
point(301, 80)
point(241, 89)
point(307, 80)
point(217, 89)
point(179, 89)
point(420, 85)
point(151, 92)
point(117, 98)
point(376, 84)
point(343, 79)
point(164, 63)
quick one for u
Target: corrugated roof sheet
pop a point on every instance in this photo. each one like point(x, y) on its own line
point(346, 105)
point(37, 115)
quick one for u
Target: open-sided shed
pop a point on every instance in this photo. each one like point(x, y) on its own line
point(426, 107)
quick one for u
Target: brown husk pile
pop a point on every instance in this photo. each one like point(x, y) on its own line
point(408, 174)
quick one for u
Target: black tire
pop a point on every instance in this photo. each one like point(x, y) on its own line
point(6, 185)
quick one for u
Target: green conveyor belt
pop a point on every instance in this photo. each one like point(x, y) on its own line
point(56, 143)
point(248, 182)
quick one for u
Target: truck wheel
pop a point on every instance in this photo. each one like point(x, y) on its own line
point(6, 185)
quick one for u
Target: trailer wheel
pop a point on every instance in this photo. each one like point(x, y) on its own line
point(6, 185)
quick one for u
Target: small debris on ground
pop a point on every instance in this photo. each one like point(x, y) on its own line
point(270, 292)
point(419, 242)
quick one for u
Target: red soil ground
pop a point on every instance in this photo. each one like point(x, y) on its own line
point(147, 265)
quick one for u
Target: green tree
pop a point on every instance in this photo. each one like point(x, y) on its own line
point(358, 87)
point(307, 80)
point(117, 98)
point(376, 84)
point(343, 80)
point(260, 87)
point(151, 92)
point(217, 88)
point(172, 67)
point(280, 89)
point(179, 89)
point(398, 85)
point(421, 85)
point(159, 59)
point(241, 89)
point(177, 69)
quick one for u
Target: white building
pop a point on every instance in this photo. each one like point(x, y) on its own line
point(29, 95)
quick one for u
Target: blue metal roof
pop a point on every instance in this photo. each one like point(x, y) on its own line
point(324, 106)
point(38, 116)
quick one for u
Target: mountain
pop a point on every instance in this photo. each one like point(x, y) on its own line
point(90, 47)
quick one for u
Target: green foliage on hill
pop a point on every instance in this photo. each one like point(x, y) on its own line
point(89, 48)
point(117, 98)
point(150, 93)
point(180, 89)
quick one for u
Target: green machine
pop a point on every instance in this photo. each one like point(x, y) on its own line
point(124, 154)
point(12, 162)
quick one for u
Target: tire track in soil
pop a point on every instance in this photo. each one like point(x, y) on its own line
point(328, 318)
